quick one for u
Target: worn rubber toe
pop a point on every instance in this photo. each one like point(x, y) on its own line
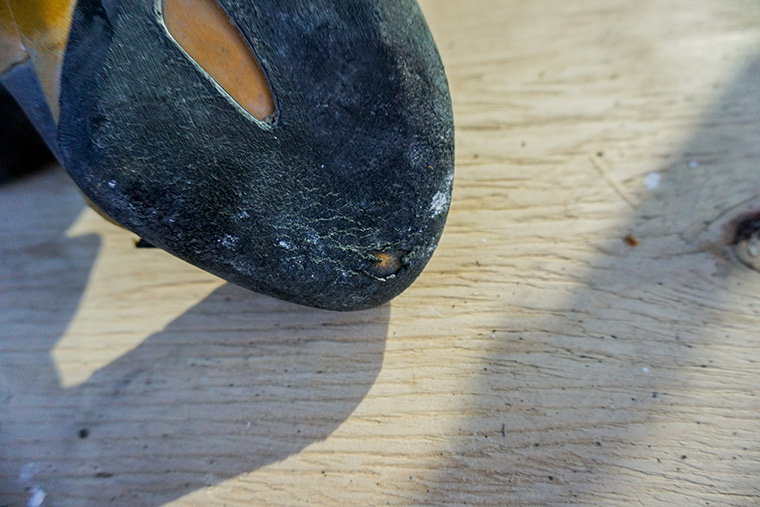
point(337, 201)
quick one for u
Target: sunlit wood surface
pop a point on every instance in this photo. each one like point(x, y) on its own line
point(539, 359)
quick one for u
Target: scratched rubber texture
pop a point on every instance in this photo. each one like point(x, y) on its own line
point(359, 161)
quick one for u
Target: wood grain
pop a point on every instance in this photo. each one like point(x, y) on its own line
point(538, 360)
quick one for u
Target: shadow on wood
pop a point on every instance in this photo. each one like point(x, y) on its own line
point(236, 382)
point(640, 384)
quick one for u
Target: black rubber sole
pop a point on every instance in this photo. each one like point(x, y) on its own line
point(339, 204)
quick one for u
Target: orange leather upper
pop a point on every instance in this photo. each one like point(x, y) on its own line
point(36, 29)
point(203, 30)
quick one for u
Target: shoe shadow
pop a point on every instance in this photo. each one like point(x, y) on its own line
point(237, 382)
point(221, 391)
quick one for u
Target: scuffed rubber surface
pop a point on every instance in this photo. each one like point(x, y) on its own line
point(338, 205)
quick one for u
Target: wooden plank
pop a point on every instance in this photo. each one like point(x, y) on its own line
point(539, 359)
